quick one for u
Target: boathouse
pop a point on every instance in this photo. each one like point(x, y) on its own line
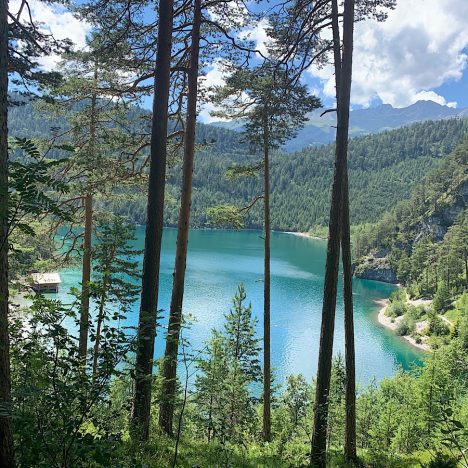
point(46, 282)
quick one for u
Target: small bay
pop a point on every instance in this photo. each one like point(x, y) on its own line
point(219, 260)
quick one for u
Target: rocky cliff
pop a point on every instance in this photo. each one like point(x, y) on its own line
point(375, 268)
point(435, 205)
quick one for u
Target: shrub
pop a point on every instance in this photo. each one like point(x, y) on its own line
point(396, 309)
point(399, 295)
point(442, 298)
point(437, 327)
point(405, 327)
point(413, 290)
point(414, 312)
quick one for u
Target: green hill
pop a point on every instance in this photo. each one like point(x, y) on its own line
point(383, 168)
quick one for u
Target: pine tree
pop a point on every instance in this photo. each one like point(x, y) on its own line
point(350, 432)
point(169, 370)
point(114, 283)
point(273, 108)
point(98, 125)
point(227, 373)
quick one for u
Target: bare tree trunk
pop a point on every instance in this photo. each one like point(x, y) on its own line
point(350, 358)
point(350, 420)
point(88, 232)
point(154, 228)
point(86, 277)
point(166, 412)
point(6, 438)
point(319, 437)
point(266, 286)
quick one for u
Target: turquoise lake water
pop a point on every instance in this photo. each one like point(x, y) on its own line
point(219, 260)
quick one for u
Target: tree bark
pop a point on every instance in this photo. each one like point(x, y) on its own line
point(6, 438)
point(266, 287)
point(88, 231)
point(350, 358)
point(154, 227)
point(319, 437)
point(350, 419)
point(86, 278)
point(166, 412)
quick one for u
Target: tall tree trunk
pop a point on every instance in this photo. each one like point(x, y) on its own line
point(6, 438)
point(350, 419)
point(88, 229)
point(319, 437)
point(266, 286)
point(350, 358)
point(86, 277)
point(154, 228)
point(166, 412)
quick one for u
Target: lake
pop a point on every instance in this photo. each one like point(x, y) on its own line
point(219, 260)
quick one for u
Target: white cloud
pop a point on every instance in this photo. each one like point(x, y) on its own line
point(421, 46)
point(213, 77)
point(55, 19)
point(259, 35)
point(433, 96)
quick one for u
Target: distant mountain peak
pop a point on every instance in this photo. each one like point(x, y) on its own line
point(428, 103)
point(373, 120)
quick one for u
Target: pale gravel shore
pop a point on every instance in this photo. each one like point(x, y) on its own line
point(387, 323)
point(303, 234)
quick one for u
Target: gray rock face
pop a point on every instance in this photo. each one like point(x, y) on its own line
point(438, 224)
point(376, 269)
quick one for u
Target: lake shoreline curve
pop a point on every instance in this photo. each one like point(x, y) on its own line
point(386, 322)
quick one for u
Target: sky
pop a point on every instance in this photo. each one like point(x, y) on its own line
point(419, 53)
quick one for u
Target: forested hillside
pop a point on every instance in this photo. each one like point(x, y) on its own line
point(423, 241)
point(383, 168)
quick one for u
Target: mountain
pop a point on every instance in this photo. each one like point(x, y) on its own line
point(383, 168)
point(319, 130)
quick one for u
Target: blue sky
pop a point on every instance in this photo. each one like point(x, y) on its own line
point(420, 52)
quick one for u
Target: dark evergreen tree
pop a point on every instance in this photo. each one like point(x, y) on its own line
point(114, 284)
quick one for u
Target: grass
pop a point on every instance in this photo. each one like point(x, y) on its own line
point(197, 453)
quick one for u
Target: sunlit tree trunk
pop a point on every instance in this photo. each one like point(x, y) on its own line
point(350, 420)
point(6, 438)
point(319, 437)
point(266, 285)
point(88, 230)
point(154, 227)
point(166, 412)
point(86, 276)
